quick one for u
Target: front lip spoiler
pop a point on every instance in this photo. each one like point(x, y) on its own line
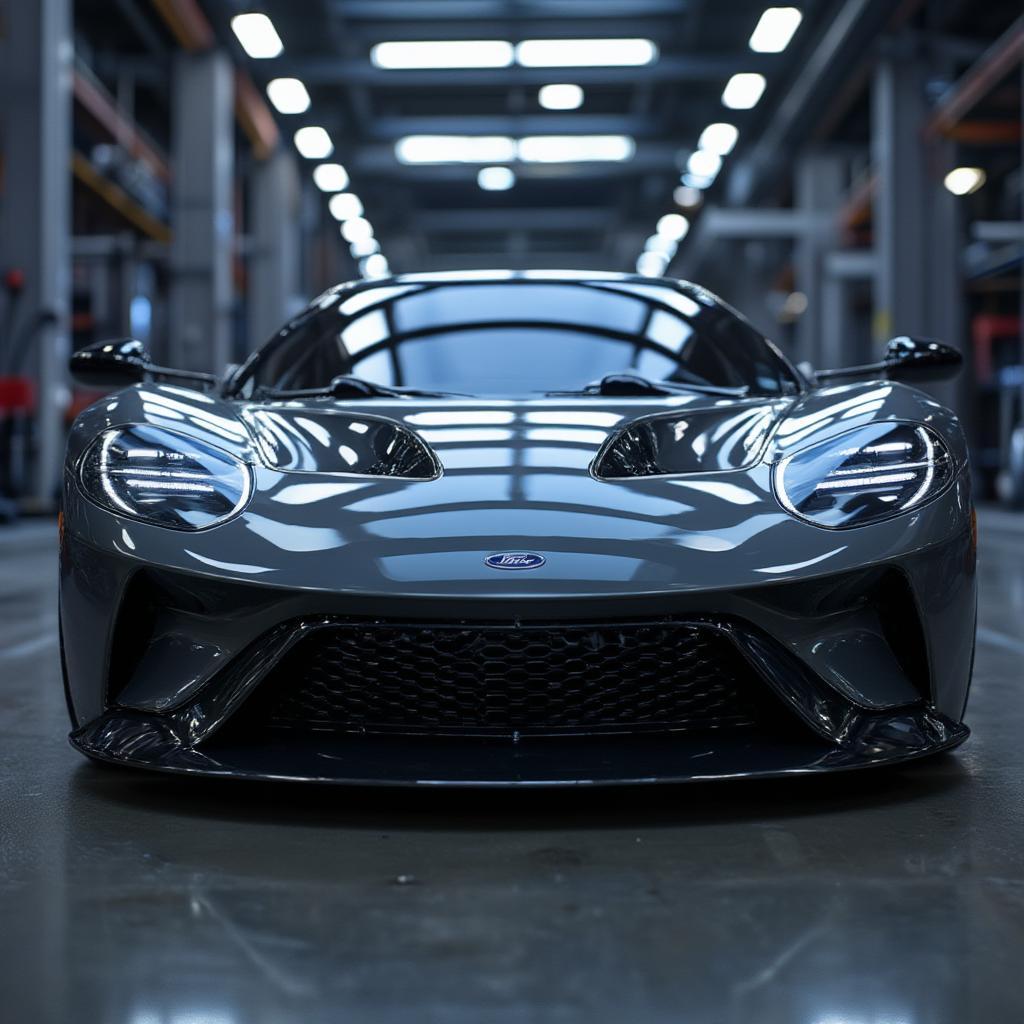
point(144, 741)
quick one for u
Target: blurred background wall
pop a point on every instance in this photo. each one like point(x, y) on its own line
point(191, 172)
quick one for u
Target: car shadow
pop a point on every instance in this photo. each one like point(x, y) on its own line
point(570, 807)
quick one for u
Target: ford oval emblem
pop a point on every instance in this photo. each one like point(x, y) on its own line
point(515, 560)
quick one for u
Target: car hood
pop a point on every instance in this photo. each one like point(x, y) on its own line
point(510, 475)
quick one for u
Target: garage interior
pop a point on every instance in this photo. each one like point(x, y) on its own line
point(192, 173)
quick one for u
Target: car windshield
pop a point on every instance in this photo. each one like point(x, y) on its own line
point(518, 337)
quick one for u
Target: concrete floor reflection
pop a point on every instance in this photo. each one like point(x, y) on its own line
point(882, 898)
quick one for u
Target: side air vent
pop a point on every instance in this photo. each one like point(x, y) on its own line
point(705, 440)
point(315, 441)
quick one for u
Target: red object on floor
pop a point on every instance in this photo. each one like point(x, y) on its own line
point(17, 394)
point(14, 280)
point(986, 329)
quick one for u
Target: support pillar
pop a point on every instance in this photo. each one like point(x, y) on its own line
point(917, 288)
point(274, 254)
point(35, 202)
point(820, 183)
point(202, 212)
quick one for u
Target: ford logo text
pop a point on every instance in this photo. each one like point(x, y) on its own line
point(515, 560)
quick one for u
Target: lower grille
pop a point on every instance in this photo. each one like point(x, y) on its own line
point(511, 680)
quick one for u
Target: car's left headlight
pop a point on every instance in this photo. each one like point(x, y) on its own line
point(163, 477)
point(864, 475)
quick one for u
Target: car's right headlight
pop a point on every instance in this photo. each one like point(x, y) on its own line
point(165, 478)
point(865, 475)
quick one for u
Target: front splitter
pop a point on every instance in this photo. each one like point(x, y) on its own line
point(358, 760)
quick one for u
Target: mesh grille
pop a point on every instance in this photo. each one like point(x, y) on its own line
point(378, 677)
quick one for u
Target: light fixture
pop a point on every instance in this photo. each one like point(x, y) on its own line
point(697, 181)
point(288, 95)
point(455, 149)
point(364, 247)
point(561, 96)
point(356, 229)
point(674, 226)
point(330, 177)
point(313, 143)
point(775, 29)
point(580, 53)
point(495, 179)
point(651, 264)
point(257, 35)
point(345, 206)
point(704, 164)
point(719, 138)
point(567, 149)
point(375, 265)
point(743, 90)
point(687, 196)
point(661, 244)
point(962, 181)
point(442, 53)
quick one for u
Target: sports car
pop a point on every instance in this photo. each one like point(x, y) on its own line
point(516, 528)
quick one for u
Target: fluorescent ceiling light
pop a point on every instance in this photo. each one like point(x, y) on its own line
point(582, 53)
point(719, 138)
point(674, 226)
point(364, 247)
point(495, 179)
point(661, 244)
point(962, 181)
point(567, 149)
point(313, 143)
point(345, 206)
point(356, 229)
point(288, 95)
point(704, 164)
point(257, 35)
point(454, 53)
point(374, 266)
point(775, 29)
point(562, 96)
point(697, 181)
point(687, 196)
point(651, 264)
point(455, 149)
point(742, 91)
point(330, 177)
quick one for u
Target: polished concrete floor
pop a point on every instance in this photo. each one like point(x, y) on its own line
point(880, 898)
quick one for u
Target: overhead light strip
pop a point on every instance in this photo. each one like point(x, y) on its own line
point(502, 149)
point(462, 54)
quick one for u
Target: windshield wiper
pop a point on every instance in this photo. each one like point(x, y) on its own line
point(355, 387)
point(627, 384)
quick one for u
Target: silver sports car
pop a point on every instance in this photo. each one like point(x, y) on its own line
point(516, 529)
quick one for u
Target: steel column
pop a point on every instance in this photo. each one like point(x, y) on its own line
point(202, 211)
point(274, 256)
point(820, 181)
point(35, 200)
point(917, 288)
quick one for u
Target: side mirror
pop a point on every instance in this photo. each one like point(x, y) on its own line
point(110, 364)
point(116, 364)
point(921, 359)
point(911, 359)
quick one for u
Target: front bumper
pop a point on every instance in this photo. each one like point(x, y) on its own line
point(147, 742)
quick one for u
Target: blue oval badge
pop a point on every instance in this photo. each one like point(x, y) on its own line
point(515, 560)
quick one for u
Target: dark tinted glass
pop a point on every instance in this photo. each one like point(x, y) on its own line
point(520, 337)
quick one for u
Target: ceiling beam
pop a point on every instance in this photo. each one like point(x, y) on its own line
point(704, 67)
point(389, 128)
point(512, 218)
point(480, 10)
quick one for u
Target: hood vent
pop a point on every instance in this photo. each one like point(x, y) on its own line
point(300, 441)
point(702, 441)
